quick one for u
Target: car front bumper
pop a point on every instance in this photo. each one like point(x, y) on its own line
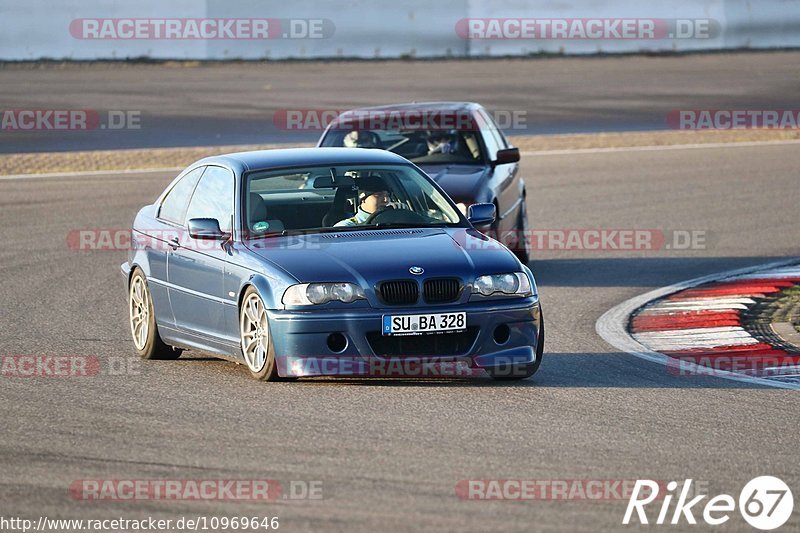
point(500, 334)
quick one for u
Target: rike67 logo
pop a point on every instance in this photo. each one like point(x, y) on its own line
point(765, 502)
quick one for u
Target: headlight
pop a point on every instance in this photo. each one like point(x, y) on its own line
point(321, 293)
point(514, 283)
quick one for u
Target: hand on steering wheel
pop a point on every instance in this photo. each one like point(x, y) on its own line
point(390, 215)
point(371, 219)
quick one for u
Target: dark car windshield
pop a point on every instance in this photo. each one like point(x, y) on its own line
point(426, 147)
point(339, 198)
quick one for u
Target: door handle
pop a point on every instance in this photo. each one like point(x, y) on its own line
point(174, 242)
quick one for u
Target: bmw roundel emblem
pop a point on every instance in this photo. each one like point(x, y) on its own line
point(416, 270)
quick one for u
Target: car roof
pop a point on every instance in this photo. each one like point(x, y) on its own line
point(295, 157)
point(420, 106)
point(415, 107)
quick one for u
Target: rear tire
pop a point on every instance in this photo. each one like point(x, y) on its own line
point(142, 318)
point(517, 372)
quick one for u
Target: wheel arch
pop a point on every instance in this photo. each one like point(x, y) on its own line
point(264, 289)
point(136, 267)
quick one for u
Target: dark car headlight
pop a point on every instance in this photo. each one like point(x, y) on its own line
point(510, 284)
point(322, 293)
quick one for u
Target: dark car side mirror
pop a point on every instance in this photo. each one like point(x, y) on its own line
point(206, 229)
point(504, 157)
point(481, 214)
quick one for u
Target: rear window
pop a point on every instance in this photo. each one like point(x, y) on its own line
point(213, 197)
point(173, 208)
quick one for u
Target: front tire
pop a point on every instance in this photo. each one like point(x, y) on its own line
point(255, 338)
point(142, 318)
point(523, 252)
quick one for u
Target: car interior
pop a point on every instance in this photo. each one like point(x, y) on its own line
point(312, 200)
point(413, 144)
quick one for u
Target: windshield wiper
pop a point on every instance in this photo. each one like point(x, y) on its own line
point(331, 229)
point(366, 227)
point(269, 234)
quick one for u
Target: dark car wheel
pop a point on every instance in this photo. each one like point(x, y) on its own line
point(516, 372)
point(146, 339)
point(256, 340)
point(523, 238)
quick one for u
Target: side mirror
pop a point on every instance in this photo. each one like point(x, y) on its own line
point(481, 214)
point(504, 157)
point(206, 229)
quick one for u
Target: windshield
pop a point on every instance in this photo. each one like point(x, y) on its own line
point(307, 199)
point(427, 147)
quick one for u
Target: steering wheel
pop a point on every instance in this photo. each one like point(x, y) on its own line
point(391, 215)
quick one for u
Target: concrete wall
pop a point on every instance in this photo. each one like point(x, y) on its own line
point(36, 29)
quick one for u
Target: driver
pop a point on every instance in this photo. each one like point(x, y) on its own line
point(373, 196)
point(441, 142)
point(360, 139)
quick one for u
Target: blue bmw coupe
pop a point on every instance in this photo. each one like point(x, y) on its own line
point(328, 262)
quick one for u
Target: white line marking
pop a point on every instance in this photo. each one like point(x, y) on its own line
point(89, 173)
point(612, 326)
point(741, 294)
point(655, 148)
point(787, 371)
point(654, 311)
point(679, 345)
point(695, 332)
point(780, 273)
point(705, 300)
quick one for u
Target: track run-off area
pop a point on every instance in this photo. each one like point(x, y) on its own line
point(395, 451)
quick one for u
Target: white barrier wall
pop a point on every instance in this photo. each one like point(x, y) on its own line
point(36, 29)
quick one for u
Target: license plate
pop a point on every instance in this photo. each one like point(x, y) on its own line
point(427, 323)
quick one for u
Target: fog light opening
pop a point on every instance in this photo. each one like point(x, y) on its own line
point(501, 334)
point(337, 343)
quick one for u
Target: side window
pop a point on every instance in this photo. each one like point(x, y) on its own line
point(173, 208)
point(497, 133)
point(489, 138)
point(213, 197)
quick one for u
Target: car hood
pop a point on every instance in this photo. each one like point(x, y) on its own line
point(461, 182)
point(367, 257)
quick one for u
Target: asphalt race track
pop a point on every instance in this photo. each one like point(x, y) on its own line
point(234, 103)
point(390, 453)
